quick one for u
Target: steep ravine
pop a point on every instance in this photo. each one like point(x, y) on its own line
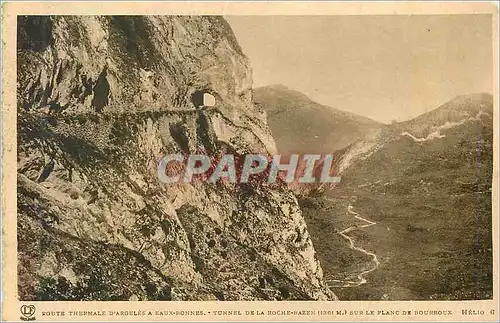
point(100, 100)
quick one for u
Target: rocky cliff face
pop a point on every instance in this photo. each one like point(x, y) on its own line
point(100, 100)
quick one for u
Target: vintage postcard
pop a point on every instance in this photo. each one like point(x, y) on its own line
point(250, 161)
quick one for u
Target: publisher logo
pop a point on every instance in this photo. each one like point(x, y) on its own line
point(28, 312)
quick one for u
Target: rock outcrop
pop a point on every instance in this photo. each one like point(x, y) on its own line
point(100, 101)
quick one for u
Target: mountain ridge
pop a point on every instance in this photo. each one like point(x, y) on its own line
point(297, 94)
point(321, 129)
point(427, 183)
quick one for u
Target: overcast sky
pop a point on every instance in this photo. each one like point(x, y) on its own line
point(382, 67)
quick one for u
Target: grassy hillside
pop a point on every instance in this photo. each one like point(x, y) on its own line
point(432, 203)
point(300, 125)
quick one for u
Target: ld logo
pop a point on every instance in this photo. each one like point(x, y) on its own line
point(28, 312)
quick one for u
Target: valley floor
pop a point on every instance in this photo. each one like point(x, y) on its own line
point(418, 256)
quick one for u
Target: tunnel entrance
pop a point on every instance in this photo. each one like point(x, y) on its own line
point(202, 98)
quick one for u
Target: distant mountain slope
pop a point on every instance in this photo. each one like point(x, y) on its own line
point(427, 184)
point(453, 134)
point(300, 125)
point(465, 110)
point(461, 109)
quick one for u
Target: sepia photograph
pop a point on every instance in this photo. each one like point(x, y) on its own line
point(263, 158)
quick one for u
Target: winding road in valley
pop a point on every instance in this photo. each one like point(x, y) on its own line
point(360, 280)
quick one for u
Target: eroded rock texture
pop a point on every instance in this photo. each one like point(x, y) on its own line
point(100, 100)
